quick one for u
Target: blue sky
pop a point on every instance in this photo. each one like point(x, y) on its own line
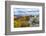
point(26, 11)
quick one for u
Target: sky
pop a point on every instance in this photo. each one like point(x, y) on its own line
point(26, 11)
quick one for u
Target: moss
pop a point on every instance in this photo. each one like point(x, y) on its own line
point(21, 22)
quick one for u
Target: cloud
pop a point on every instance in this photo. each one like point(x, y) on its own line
point(26, 11)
